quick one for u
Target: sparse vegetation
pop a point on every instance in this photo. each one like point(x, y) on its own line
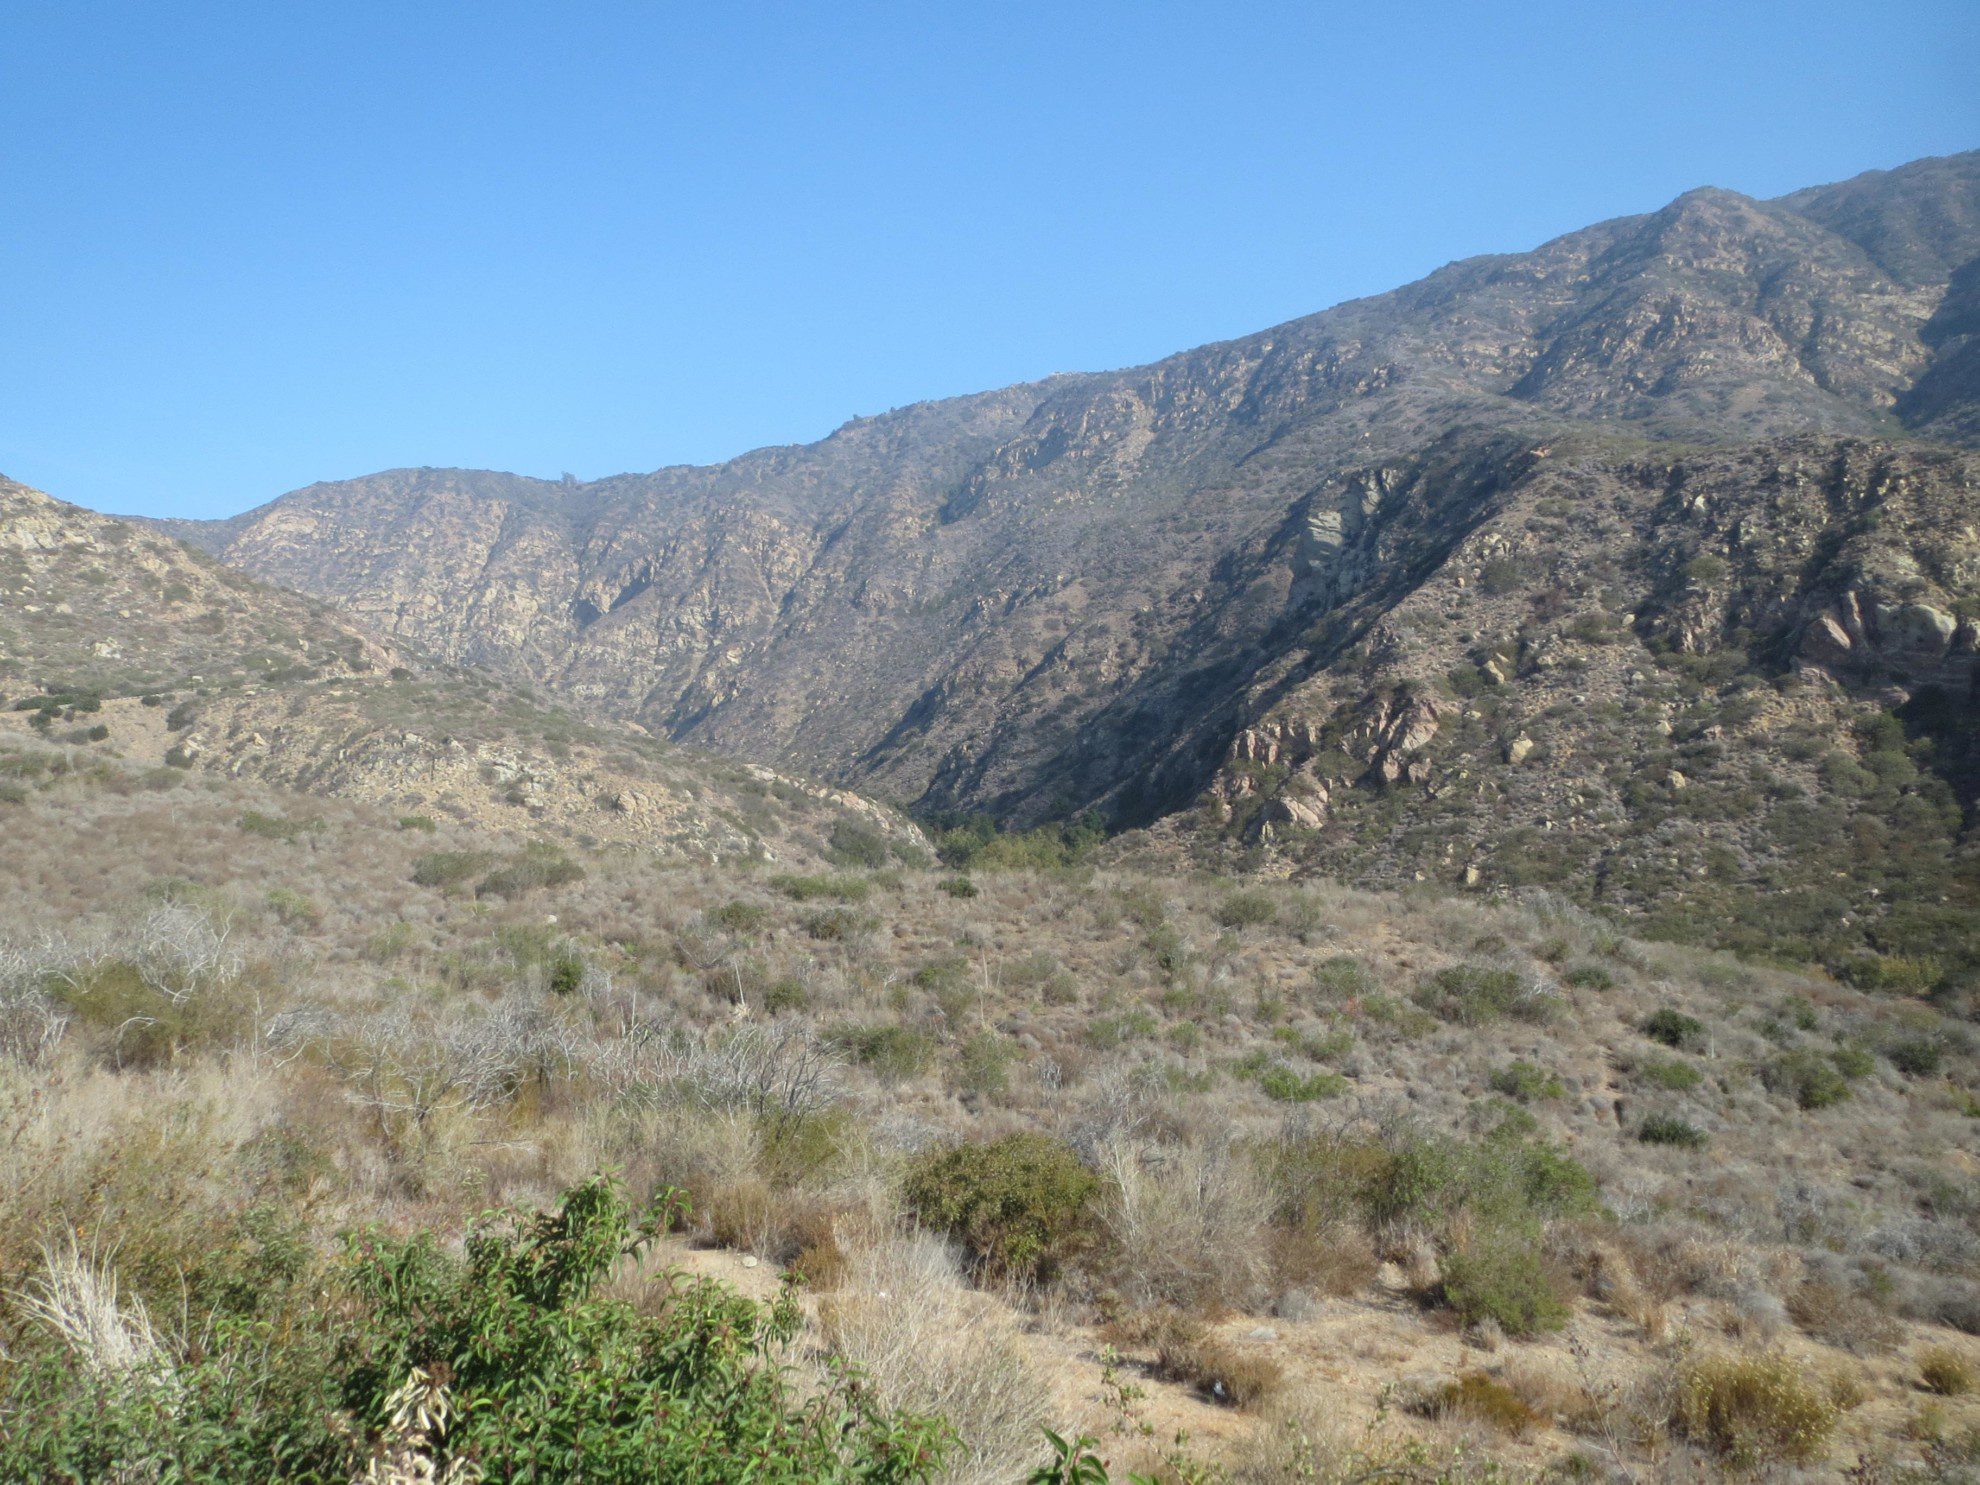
point(1754, 1409)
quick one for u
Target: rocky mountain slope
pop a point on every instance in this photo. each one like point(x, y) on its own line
point(119, 642)
point(1098, 591)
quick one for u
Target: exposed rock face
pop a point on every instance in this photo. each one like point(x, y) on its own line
point(182, 661)
point(1786, 635)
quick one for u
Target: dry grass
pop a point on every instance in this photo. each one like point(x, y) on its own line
point(901, 1312)
point(1947, 1372)
point(1189, 1224)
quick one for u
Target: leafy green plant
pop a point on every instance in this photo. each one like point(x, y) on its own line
point(851, 844)
point(1473, 994)
point(1021, 1205)
point(448, 868)
point(1526, 1082)
point(1665, 1129)
point(536, 866)
point(504, 1359)
point(1670, 1073)
point(893, 1052)
point(800, 888)
point(1810, 1079)
point(1502, 1277)
point(1675, 1029)
point(1918, 1056)
point(1282, 1084)
point(1249, 909)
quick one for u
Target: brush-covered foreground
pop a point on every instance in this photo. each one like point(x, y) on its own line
point(303, 1111)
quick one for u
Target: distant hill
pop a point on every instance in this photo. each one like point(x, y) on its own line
point(123, 642)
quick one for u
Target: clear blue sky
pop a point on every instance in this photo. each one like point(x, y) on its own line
point(248, 246)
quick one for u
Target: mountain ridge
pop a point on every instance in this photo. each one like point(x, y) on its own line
point(1080, 593)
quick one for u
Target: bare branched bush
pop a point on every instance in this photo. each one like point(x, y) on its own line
point(406, 1062)
point(31, 1027)
point(176, 949)
point(779, 1073)
point(1188, 1225)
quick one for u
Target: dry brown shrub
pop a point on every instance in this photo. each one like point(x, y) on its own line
point(1753, 1408)
point(1552, 1392)
point(743, 1215)
point(1947, 1372)
point(1842, 1317)
point(1336, 1259)
point(1481, 1398)
point(1185, 1351)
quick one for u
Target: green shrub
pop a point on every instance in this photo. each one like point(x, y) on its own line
point(1664, 1129)
point(1109, 1032)
point(1675, 1029)
point(1498, 1181)
point(504, 1358)
point(277, 827)
point(979, 844)
point(786, 994)
point(1282, 1084)
point(838, 923)
point(1753, 1410)
point(1669, 1072)
point(1919, 1056)
point(1345, 977)
point(894, 1053)
point(813, 888)
point(1589, 977)
point(1250, 909)
point(852, 844)
point(958, 887)
point(1526, 1082)
point(740, 917)
point(566, 972)
point(1854, 1062)
point(983, 1064)
point(292, 909)
point(1810, 1079)
point(1473, 994)
point(535, 867)
point(1893, 974)
point(1502, 1277)
point(448, 868)
point(1021, 1205)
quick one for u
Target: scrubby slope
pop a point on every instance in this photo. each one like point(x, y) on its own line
point(1326, 1153)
